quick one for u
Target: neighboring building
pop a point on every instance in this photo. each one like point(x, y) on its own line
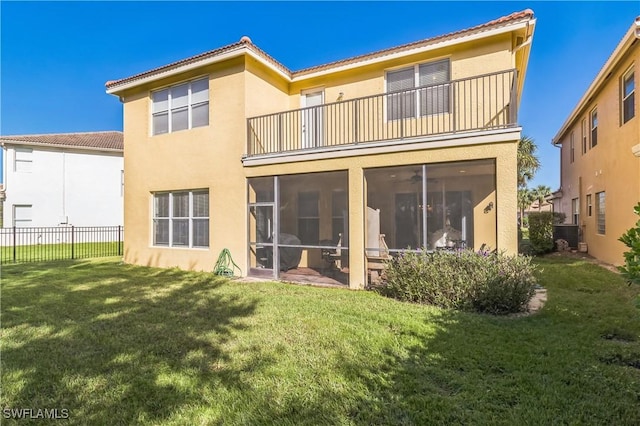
point(63, 179)
point(600, 149)
point(327, 169)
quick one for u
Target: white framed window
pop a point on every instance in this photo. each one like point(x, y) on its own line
point(628, 96)
point(600, 212)
point(180, 107)
point(584, 135)
point(572, 148)
point(589, 205)
point(594, 127)
point(22, 215)
point(23, 161)
point(423, 89)
point(181, 218)
point(575, 211)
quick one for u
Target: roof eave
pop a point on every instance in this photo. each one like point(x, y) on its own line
point(437, 44)
point(4, 142)
point(116, 89)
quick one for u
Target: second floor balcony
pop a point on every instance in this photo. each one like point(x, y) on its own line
point(479, 103)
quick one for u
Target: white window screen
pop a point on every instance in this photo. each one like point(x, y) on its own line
point(181, 219)
point(23, 160)
point(181, 107)
point(22, 216)
point(435, 98)
point(401, 104)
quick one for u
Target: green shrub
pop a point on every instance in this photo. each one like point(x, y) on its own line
point(631, 268)
point(464, 280)
point(541, 232)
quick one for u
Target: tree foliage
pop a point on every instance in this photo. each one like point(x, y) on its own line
point(631, 239)
point(528, 162)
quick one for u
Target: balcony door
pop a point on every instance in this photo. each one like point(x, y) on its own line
point(312, 119)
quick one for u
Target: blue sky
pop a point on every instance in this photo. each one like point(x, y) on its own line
point(55, 57)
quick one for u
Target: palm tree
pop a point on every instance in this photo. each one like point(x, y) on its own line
point(528, 162)
point(540, 193)
point(525, 198)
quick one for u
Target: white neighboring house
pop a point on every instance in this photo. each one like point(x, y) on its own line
point(63, 179)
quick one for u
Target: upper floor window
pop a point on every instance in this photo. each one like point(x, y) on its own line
point(181, 219)
point(418, 90)
point(628, 96)
point(181, 107)
point(584, 135)
point(594, 127)
point(23, 160)
point(572, 148)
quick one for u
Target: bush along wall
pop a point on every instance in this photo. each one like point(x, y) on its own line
point(541, 232)
point(631, 268)
point(464, 280)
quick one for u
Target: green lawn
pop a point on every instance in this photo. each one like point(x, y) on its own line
point(118, 344)
point(46, 252)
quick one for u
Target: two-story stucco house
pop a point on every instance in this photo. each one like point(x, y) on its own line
point(600, 154)
point(327, 169)
point(63, 179)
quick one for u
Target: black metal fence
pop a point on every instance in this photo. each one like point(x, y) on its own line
point(478, 103)
point(18, 245)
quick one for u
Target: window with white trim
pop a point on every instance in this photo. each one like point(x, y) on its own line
point(628, 96)
point(594, 127)
point(422, 89)
point(23, 160)
point(575, 211)
point(181, 218)
point(180, 107)
point(572, 148)
point(22, 215)
point(584, 135)
point(589, 205)
point(600, 211)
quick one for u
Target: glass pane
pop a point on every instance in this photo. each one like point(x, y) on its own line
point(200, 91)
point(23, 213)
point(200, 232)
point(400, 80)
point(629, 85)
point(160, 100)
point(201, 204)
point(181, 204)
point(261, 224)
point(308, 204)
point(433, 73)
point(160, 123)
point(434, 100)
point(161, 232)
point(401, 105)
point(200, 115)
point(180, 96)
point(161, 205)
point(261, 190)
point(180, 232)
point(179, 119)
point(629, 108)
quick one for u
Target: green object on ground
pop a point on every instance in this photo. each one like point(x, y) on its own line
point(225, 265)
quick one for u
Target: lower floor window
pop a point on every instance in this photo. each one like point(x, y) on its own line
point(22, 216)
point(600, 211)
point(181, 218)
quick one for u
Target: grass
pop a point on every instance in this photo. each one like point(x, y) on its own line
point(119, 344)
point(59, 251)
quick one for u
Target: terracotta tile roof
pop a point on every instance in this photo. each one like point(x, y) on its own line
point(246, 42)
point(109, 140)
point(516, 16)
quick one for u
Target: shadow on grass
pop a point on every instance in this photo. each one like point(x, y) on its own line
point(115, 348)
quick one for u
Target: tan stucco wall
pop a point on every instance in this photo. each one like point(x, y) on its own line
point(610, 167)
point(210, 157)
